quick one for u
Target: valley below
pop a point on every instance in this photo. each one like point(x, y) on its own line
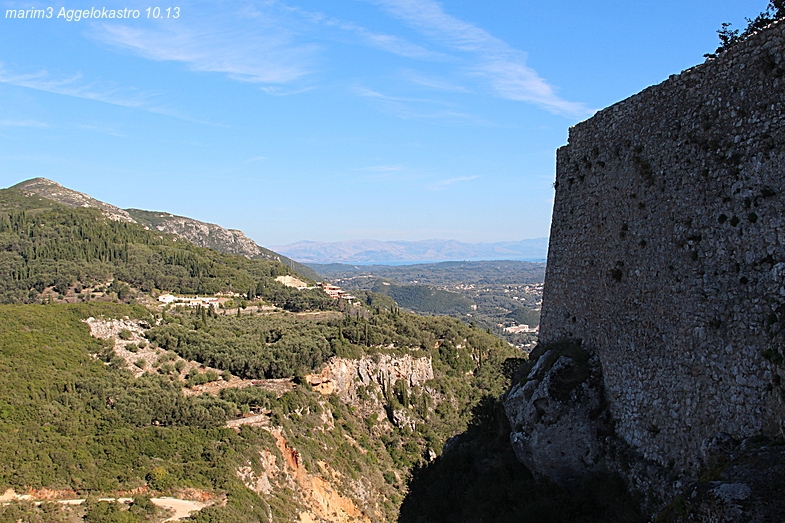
point(126, 398)
point(503, 297)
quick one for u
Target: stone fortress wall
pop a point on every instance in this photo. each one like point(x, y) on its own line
point(667, 254)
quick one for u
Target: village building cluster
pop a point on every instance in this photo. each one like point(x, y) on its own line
point(336, 292)
point(218, 300)
point(197, 301)
point(521, 328)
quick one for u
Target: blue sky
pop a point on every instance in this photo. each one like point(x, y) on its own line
point(333, 119)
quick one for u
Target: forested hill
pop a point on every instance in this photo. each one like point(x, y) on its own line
point(199, 233)
point(46, 245)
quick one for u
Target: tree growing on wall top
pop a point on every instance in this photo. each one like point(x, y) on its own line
point(729, 37)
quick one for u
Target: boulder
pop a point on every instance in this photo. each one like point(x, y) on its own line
point(557, 413)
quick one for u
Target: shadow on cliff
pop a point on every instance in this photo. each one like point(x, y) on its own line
point(478, 479)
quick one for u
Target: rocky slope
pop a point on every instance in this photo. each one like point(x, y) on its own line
point(365, 383)
point(343, 376)
point(202, 234)
point(300, 469)
point(54, 191)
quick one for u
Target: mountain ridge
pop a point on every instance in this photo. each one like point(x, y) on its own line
point(201, 234)
point(379, 251)
point(52, 190)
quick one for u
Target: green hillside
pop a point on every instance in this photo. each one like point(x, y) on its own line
point(77, 420)
point(424, 298)
point(525, 315)
point(77, 423)
point(44, 244)
point(199, 233)
point(496, 272)
point(490, 294)
point(72, 422)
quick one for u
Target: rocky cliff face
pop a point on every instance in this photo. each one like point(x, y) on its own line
point(200, 233)
point(666, 259)
point(368, 382)
point(345, 377)
point(321, 493)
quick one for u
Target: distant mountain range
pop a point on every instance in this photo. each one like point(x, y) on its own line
point(375, 251)
point(201, 234)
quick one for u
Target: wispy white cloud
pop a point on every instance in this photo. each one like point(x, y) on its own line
point(450, 181)
point(383, 41)
point(427, 109)
point(390, 43)
point(370, 93)
point(246, 46)
point(428, 17)
point(502, 66)
point(267, 42)
point(255, 159)
point(111, 131)
point(432, 82)
point(23, 123)
point(74, 86)
point(399, 46)
point(381, 168)
point(388, 173)
point(275, 90)
point(78, 87)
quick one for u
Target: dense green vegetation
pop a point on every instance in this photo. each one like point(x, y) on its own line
point(43, 244)
point(280, 346)
point(424, 298)
point(251, 347)
point(525, 316)
point(74, 417)
point(78, 423)
point(71, 422)
point(497, 272)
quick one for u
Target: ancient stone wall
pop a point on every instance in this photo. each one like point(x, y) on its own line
point(667, 253)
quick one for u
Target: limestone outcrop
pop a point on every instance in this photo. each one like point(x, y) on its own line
point(350, 378)
point(204, 234)
point(557, 414)
point(370, 382)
